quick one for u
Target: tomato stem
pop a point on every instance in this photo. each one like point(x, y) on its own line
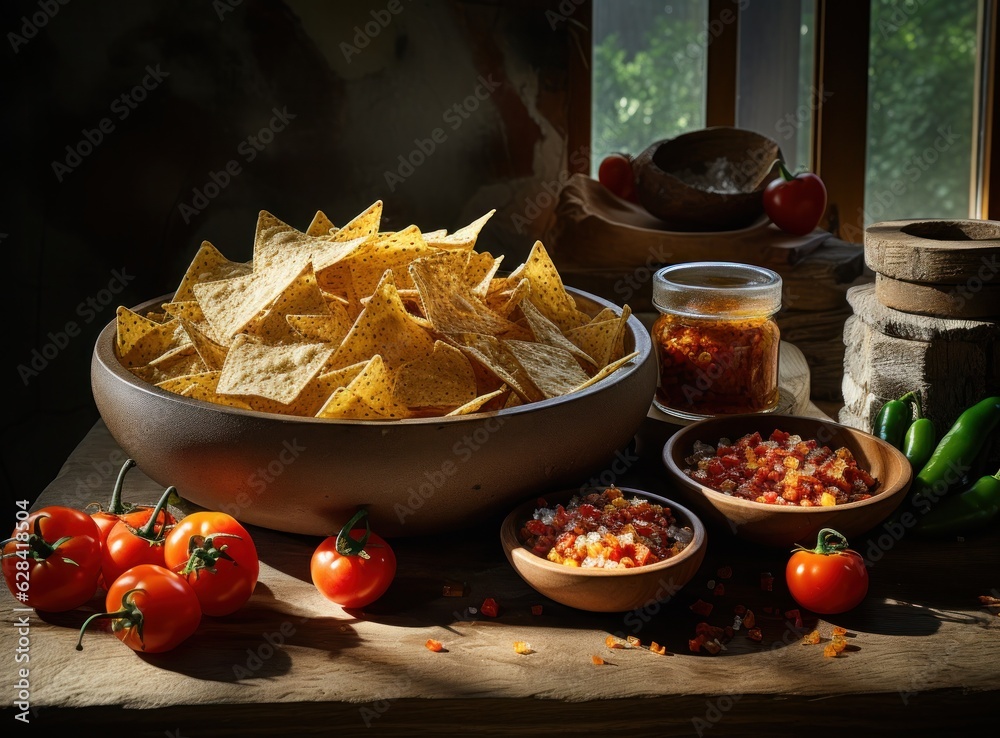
point(204, 554)
point(829, 541)
point(98, 616)
point(346, 544)
point(148, 531)
point(115, 507)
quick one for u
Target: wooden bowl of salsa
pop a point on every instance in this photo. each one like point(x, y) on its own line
point(582, 575)
point(834, 477)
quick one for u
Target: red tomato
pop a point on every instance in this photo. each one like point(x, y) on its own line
point(134, 515)
point(795, 203)
point(353, 568)
point(828, 579)
point(152, 609)
point(218, 558)
point(127, 546)
point(615, 173)
point(53, 558)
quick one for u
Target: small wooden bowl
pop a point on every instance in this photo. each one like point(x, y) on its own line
point(785, 526)
point(604, 590)
point(669, 178)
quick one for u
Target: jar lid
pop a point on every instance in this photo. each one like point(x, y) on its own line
point(717, 289)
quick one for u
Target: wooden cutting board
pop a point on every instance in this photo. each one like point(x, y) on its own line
point(594, 229)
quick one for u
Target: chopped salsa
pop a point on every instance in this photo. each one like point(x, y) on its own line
point(605, 530)
point(785, 469)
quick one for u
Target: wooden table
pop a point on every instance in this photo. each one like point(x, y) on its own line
point(924, 654)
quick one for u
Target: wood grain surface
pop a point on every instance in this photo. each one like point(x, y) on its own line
point(923, 652)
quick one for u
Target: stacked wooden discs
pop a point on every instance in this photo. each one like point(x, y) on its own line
point(943, 268)
point(928, 323)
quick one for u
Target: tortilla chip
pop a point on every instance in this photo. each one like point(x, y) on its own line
point(444, 379)
point(463, 238)
point(604, 340)
point(547, 332)
point(552, 369)
point(448, 301)
point(498, 359)
point(547, 291)
point(480, 402)
point(212, 354)
point(607, 371)
point(203, 393)
point(276, 243)
point(301, 297)
point(321, 226)
point(344, 404)
point(387, 251)
point(329, 328)
point(278, 372)
point(384, 327)
point(209, 380)
point(208, 265)
point(364, 225)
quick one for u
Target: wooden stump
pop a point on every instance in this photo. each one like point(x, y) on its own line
point(951, 364)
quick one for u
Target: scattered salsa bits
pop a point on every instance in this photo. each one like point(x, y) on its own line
point(702, 608)
point(433, 645)
point(597, 660)
point(811, 638)
point(522, 647)
point(490, 608)
point(605, 530)
point(658, 649)
point(783, 470)
point(612, 642)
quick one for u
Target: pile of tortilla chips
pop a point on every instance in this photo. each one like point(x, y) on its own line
point(359, 323)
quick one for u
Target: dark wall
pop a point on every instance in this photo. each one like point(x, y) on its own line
point(136, 130)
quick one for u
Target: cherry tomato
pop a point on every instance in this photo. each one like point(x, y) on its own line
point(795, 203)
point(134, 515)
point(615, 173)
point(152, 609)
point(828, 579)
point(128, 546)
point(355, 567)
point(53, 559)
point(217, 557)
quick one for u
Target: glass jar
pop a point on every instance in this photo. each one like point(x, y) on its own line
point(716, 339)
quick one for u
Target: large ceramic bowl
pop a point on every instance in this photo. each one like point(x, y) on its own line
point(605, 590)
point(783, 526)
point(415, 476)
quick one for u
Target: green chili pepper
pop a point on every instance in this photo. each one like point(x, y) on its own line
point(954, 454)
point(919, 439)
point(893, 419)
point(969, 511)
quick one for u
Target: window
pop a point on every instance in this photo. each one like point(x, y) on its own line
point(889, 100)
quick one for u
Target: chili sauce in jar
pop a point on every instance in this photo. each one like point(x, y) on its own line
point(716, 339)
